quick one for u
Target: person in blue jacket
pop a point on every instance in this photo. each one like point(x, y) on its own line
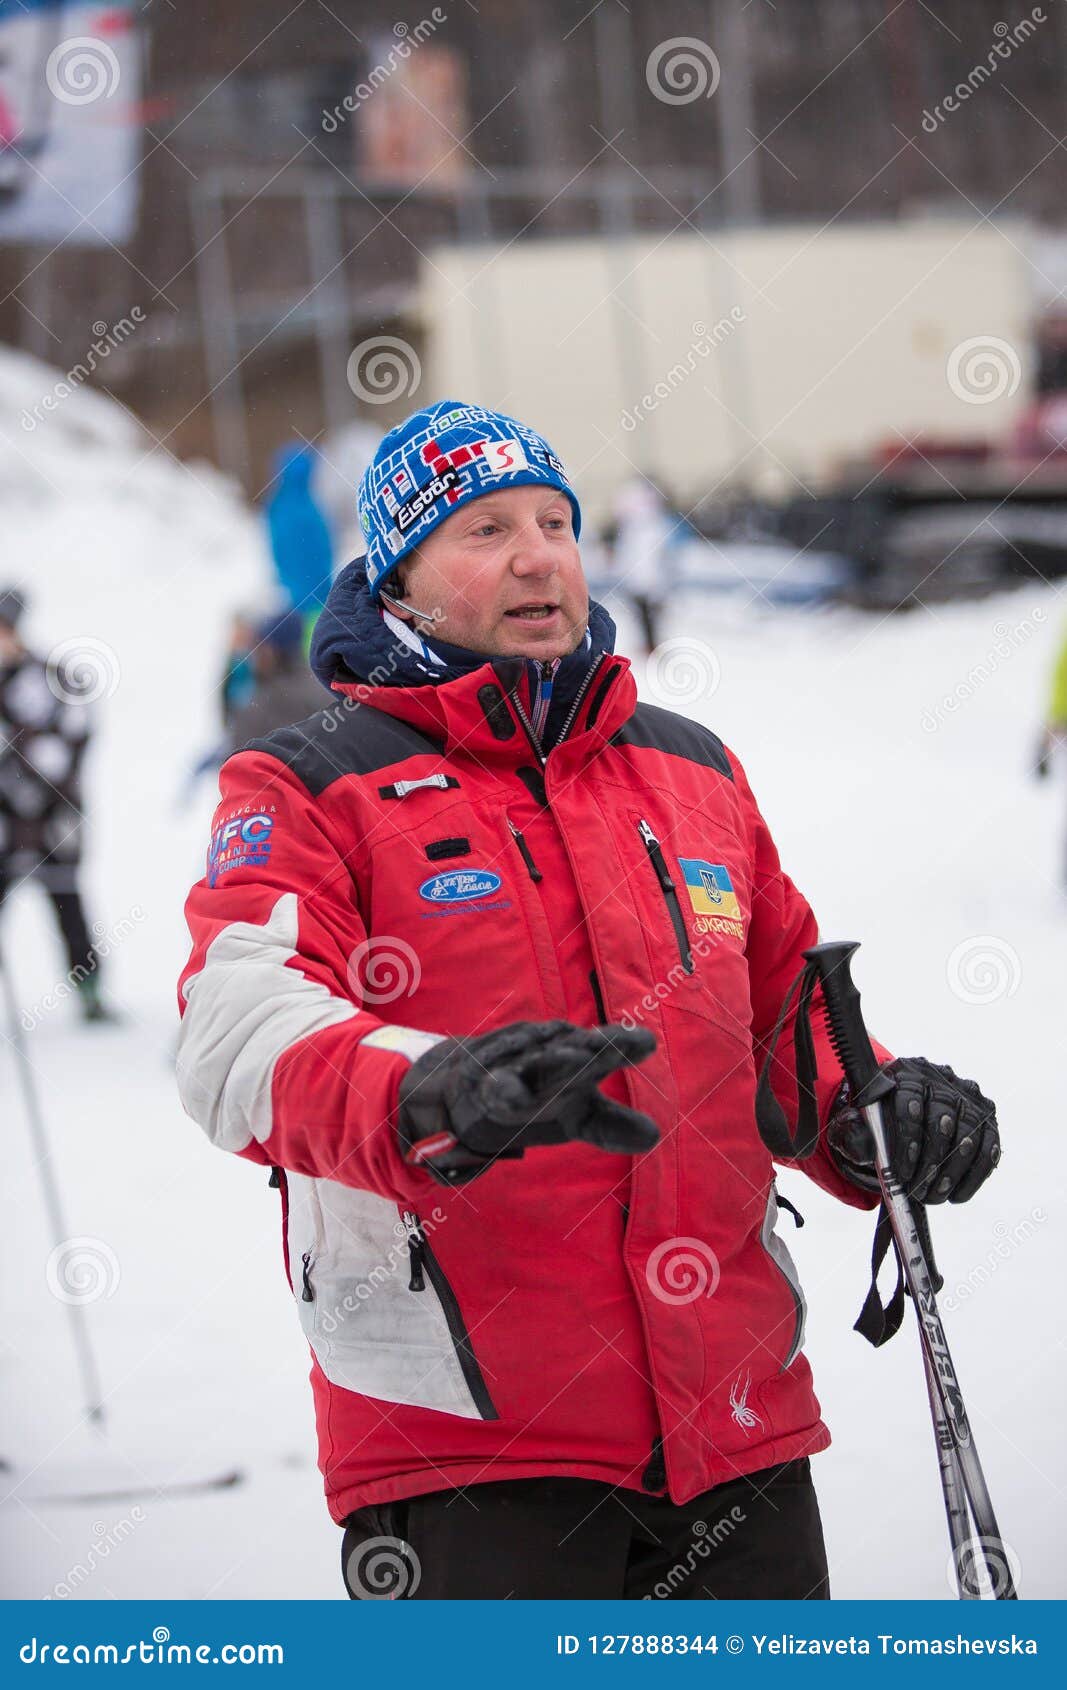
point(300, 539)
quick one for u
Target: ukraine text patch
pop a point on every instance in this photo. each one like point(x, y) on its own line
point(712, 896)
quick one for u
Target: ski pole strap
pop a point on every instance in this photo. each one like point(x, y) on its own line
point(922, 1227)
point(878, 1321)
point(770, 1116)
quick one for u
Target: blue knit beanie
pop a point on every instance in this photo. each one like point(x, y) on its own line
point(440, 458)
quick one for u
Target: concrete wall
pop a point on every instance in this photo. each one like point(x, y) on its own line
point(760, 356)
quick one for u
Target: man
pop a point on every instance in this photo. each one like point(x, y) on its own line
point(44, 731)
point(644, 553)
point(283, 688)
point(482, 964)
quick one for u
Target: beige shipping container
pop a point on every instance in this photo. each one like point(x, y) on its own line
point(758, 357)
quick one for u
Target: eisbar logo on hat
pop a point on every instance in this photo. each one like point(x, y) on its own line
point(438, 459)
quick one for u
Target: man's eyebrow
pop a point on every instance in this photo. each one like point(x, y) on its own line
point(553, 496)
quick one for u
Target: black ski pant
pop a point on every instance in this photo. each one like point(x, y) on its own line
point(70, 918)
point(759, 1536)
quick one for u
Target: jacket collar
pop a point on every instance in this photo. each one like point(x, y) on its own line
point(481, 714)
point(465, 698)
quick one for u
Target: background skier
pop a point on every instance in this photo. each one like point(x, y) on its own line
point(44, 732)
point(300, 540)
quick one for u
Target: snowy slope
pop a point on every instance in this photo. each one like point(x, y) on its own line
point(928, 843)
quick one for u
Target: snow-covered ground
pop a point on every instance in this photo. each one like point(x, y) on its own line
point(912, 825)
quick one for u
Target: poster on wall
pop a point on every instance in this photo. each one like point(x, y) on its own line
point(70, 78)
point(412, 113)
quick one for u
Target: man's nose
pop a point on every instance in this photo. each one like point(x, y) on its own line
point(532, 553)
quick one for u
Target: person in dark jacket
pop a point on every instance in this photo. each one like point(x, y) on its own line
point(282, 687)
point(485, 958)
point(44, 731)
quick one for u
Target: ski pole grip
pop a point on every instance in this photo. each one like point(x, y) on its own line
point(832, 963)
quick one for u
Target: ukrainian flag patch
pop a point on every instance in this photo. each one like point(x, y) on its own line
point(712, 895)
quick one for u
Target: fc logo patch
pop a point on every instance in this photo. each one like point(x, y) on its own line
point(712, 896)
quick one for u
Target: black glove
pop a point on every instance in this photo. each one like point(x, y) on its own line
point(467, 1102)
point(942, 1134)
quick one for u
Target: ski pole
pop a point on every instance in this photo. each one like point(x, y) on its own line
point(76, 1314)
point(962, 1478)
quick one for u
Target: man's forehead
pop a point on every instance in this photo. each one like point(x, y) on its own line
point(513, 500)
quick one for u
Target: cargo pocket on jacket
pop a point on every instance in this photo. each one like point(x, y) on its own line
point(350, 1270)
point(428, 1278)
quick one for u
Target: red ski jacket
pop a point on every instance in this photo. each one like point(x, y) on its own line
point(405, 866)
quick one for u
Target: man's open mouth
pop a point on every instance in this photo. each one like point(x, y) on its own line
point(534, 612)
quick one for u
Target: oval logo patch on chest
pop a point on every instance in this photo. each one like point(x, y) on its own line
point(459, 886)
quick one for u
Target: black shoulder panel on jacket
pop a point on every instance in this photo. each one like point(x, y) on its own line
point(653, 729)
point(343, 739)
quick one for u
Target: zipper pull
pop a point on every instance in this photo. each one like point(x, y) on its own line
point(655, 851)
point(524, 851)
point(417, 1281)
point(307, 1294)
point(790, 1209)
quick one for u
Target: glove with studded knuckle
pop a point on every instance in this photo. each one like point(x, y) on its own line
point(942, 1134)
point(468, 1102)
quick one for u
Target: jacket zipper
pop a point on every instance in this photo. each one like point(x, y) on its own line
point(586, 681)
point(539, 750)
point(654, 1476)
point(524, 851)
point(670, 893)
point(424, 1265)
point(307, 1294)
point(794, 1291)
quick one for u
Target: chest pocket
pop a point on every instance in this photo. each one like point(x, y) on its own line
point(448, 941)
point(690, 883)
